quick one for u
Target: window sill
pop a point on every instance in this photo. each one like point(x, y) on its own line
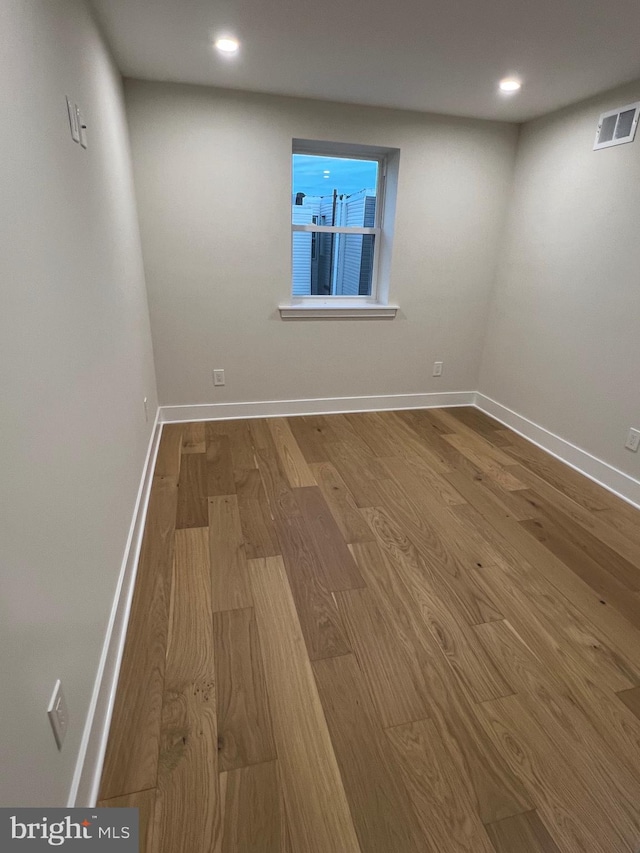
point(346, 310)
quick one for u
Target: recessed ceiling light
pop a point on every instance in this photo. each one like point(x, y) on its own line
point(227, 44)
point(509, 84)
point(326, 172)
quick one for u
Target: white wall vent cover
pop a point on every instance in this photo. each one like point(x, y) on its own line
point(617, 126)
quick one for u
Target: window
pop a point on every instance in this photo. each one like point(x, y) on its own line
point(339, 195)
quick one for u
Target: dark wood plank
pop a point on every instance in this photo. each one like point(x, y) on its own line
point(557, 537)
point(372, 430)
point(309, 438)
point(523, 833)
point(244, 720)
point(254, 810)
point(339, 569)
point(131, 759)
point(192, 492)
point(597, 523)
point(220, 477)
point(193, 438)
point(317, 610)
point(229, 576)
point(558, 475)
point(341, 503)
point(383, 817)
point(249, 484)
point(583, 541)
point(276, 485)
point(258, 532)
point(344, 433)
point(240, 445)
point(631, 699)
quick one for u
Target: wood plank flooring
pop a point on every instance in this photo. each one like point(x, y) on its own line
point(389, 632)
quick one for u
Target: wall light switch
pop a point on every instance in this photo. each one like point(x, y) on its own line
point(437, 368)
point(633, 440)
point(58, 714)
point(72, 110)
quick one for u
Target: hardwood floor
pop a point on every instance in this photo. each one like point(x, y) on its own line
point(396, 632)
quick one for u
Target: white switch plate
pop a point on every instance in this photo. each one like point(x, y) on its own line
point(58, 714)
point(437, 368)
point(218, 377)
point(146, 409)
point(633, 440)
point(73, 121)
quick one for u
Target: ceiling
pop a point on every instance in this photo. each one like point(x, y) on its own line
point(442, 56)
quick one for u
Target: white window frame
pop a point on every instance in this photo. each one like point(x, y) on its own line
point(356, 306)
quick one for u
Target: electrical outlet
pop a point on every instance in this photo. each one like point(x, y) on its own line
point(146, 410)
point(633, 440)
point(437, 368)
point(58, 714)
point(218, 377)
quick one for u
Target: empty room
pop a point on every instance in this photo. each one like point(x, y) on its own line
point(320, 343)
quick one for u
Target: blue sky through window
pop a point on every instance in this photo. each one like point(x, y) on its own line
point(314, 175)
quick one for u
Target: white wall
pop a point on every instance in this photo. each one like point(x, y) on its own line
point(563, 340)
point(218, 262)
point(76, 362)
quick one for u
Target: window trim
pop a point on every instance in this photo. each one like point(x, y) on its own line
point(357, 306)
point(338, 308)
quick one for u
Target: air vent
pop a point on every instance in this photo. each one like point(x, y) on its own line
point(617, 126)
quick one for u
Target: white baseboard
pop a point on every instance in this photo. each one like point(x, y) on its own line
point(314, 406)
point(86, 779)
point(595, 469)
